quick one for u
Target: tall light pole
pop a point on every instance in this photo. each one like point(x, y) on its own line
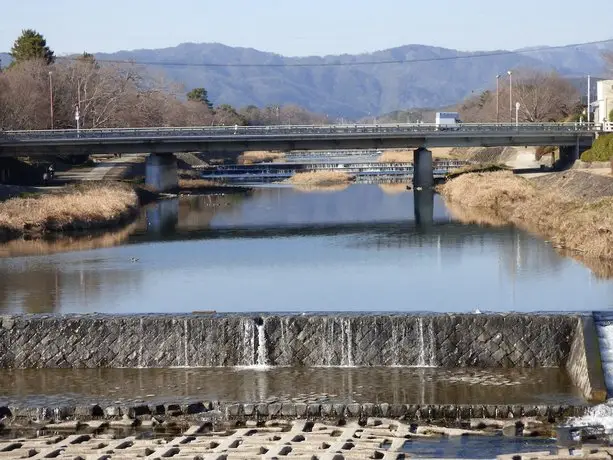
point(510, 74)
point(497, 98)
point(51, 97)
point(589, 97)
point(517, 105)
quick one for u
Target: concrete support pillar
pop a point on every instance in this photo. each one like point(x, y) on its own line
point(163, 217)
point(423, 201)
point(423, 171)
point(568, 156)
point(161, 172)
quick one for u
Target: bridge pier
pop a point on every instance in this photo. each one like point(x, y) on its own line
point(161, 172)
point(423, 201)
point(163, 217)
point(423, 170)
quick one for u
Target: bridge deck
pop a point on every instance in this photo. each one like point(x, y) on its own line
point(236, 138)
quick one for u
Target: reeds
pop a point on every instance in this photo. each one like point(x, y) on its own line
point(260, 156)
point(320, 178)
point(570, 223)
point(82, 207)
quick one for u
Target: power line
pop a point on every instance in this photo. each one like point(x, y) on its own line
point(352, 64)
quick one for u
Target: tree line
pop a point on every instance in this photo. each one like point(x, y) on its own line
point(543, 96)
point(40, 91)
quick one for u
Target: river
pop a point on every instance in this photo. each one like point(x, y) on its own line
point(365, 248)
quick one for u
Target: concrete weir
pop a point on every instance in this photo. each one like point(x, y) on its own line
point(205, 340)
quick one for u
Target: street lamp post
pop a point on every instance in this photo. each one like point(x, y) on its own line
point(497, 98)
point(517, 106)
point(589, 97)
point(510, 94)
point(51, 97)
point(77, 116)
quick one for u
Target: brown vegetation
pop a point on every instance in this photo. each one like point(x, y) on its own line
point(396, 156)
point(543, 97)
point(116, 95)
point(260, 156)
point(320, 178)
point(83, 207)
point(570, 223)
point(406, 155)
point(65, 243)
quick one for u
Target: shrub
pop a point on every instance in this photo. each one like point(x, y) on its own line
point(602, 149)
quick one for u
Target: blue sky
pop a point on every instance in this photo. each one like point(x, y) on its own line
point(305, 27)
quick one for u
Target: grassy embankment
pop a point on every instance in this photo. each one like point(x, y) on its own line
point(406, 155)
point(75, 208)
point(256, 156)
point(500, 198)
point(320, 181)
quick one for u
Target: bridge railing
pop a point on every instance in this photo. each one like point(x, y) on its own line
point(293, 130)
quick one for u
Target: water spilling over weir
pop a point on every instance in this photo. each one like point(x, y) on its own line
point(286, 340)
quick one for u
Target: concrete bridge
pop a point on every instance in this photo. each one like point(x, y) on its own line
point(161, 143)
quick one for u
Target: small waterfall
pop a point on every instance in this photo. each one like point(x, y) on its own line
point(432, 354)
point(141, 343)
point(604, 328)
point(603, 413)
point(248, 342)
point(421, 361)
point(262, 352)
point(347, 359)
point(395, 342)
point(185, 335)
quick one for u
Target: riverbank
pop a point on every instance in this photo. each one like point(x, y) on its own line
point(320, 178)
point(75, 208)
point(579, 222)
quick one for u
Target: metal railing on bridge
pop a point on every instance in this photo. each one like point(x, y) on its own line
point(323, 131)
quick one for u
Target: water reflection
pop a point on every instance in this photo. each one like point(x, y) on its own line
point(391, 385)
point(364, 248)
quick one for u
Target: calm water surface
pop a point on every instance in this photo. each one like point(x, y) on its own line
point(51, 387)
point(367, 248)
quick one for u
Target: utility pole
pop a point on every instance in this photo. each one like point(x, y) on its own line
point(510, 73)
point(589, 97)
point(51, 97)
point(497, 98)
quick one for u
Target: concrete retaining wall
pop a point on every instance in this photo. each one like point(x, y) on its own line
point(202, 340)
point(584, 363)
point(89, 341)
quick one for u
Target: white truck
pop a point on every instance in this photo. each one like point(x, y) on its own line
point(447, 120)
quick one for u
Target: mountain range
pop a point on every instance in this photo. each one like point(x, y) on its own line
point(351, 85)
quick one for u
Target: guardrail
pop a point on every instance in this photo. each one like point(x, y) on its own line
point(303, 130)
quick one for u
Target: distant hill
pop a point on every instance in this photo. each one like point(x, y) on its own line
point(346, 89)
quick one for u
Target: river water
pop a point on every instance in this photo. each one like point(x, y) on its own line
point(366, 248)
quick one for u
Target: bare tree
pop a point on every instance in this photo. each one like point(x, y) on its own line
point(544, 97)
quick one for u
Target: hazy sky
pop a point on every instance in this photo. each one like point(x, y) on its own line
point(304, 27)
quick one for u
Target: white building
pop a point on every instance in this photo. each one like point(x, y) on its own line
point(604, 101)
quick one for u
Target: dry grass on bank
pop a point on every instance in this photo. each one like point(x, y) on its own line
point(320, 178)
point(260, 156)
point(396, 156)
point(82, 207)
point(406, 155)
point(192, 184)
point(569, 223)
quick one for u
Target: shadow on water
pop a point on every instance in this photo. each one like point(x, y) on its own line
point(363, 248)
